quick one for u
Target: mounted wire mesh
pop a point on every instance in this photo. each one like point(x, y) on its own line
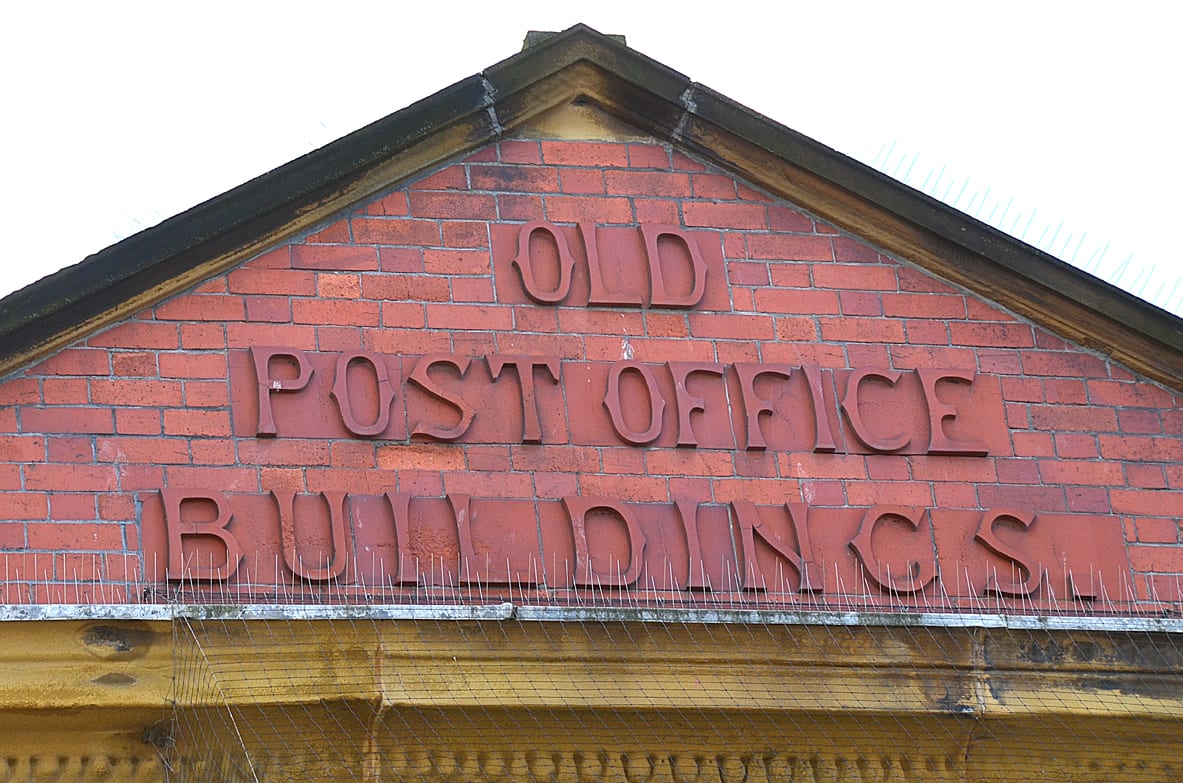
point(505, 693)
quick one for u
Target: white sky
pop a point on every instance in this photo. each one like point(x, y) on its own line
point(119, 115)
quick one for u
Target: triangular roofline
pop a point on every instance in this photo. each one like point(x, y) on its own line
point(584, 66)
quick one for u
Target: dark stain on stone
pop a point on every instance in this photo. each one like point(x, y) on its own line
point(118, 641)
point(114, 678)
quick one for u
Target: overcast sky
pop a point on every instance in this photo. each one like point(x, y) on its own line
point(1055, 121)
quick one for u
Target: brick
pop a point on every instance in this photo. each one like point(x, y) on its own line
point(449, 178)
point(10, 476)
point(907, 357)
point(273, 282)
point(142, 335)
point(268, 309)
point(514, 179)
point(398, 288)
point(200, 423)
point(192, 365)
point(927, 332)
point(138, 393)
point(1150, 503)
point(390, 205)
point(334, 234)
point(797, 301)
point(74, 536)
point(794, 330)
point(12, 536)
point(22, 505)
point(728, 326)
point(20, 391)
point(137, 421)
point(196, 337)
point(193, 307)
point(67, 420)
point(584, 153)
point(970, 471)
point(276, 258)
point(1076, 446)
point(909, 305)
point(622, 323)
point(1146, 476)
point(336, 285)
point(790, 275)
point(209, 394)
point(1141, 449)
point(390, 231)
point(399, 259)
point(472, 289)
point(215, 285)
point(70, 478)
point(860, 493)
point(600, 210)
point(586, 181)
point(792, 247)
point(75, 361)
point(119, 507)
point(527, 152)
point(21, 448)
point(847, 249)
point(1045, 499)
point(1088, 500)
point(1128, 395)
point(346, 257)
point(134, 364)
point(1014, 335)
point(453, 206)
point(72, 506)
point(713, 186)
point(1050, 342)
point(1088, 472)
point(864, 277)
point(746, 273)
point(1156, 531)
point(920, 282)
point(648, 156)
point(862, 330)
point(523, 208)
point(70, 450)
point(1017, 471)
point(670, 184)
point(1074, 365)
point(805, 465)
point(404, 315)
point(788, 219)
point(1156, 559)
point(449, 316)
point(688, 462)
point(652, 210)
point(1138, 421)
point(638, 489)
point(464, 234)
point(1174, 475)
point(860, 303)
point(1065, 391)
point(723, 215)
point(1073, 418)
point(281, 451)
point(352, 454)
point(457, 262)
point(335, 311)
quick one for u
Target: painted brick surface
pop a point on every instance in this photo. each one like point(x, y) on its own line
point(89, 436)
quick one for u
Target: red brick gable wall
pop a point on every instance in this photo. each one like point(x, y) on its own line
point(1058, 453)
